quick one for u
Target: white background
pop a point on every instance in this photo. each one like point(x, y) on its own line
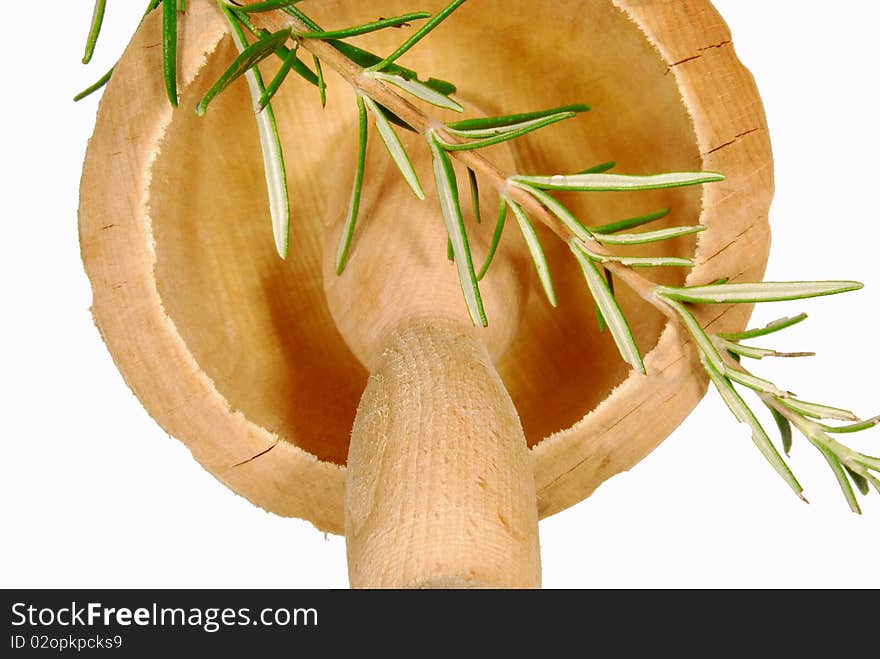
point(95, 494)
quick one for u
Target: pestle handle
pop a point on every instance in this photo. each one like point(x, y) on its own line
point(440, 490)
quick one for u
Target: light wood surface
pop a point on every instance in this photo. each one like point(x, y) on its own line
point(238, 354)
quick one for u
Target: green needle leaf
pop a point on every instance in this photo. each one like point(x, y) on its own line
point(420, 90)
point(536, 251)
point(354, 204)
point(819, 411)
point(418, 36)
point(169, 48)
point(759, 292)
point(286, 66)
point(611, 312)
point(771, 328)
point(475, 194)
point(270, 143)
point(860, 481)
point(868, 461)
point(842, 479)
point(94, 29)
point(496, 238)
point(755, 383)
point(645, 261)
point(784, 426)
point(856, 427)
point(707, 349)
point(601, 168)
point(648, 236)
point(515, 132)
point(91, 89)
point(753, 352)
point(631, 223)
point(619, 182)
point(599, 317)
point(447, 189)
point(258, 7)
point(489, 126)
point(558, 209)
point(247, 59)
point(366, 28)
point(395, 147)
point(322, 85)
point(759, 436)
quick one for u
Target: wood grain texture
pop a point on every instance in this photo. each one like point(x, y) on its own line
point(238, 354)
point(440, 488)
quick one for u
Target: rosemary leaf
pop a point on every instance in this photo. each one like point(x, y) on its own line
point(91, 89)
point(258, 7)
point(600, 168)
point(354, 203)
point(420, 90)
point(631, 223)
point(819, 411)
point(619, 182)
point(395, 147)
point(759, 436)
point(475, 195)
point(484, 126)
point(760, 292)
point(771, 328)
point(860, 481)
point(648, 236)
point(418, 36)
point(600, 318)
point(707, 349)
point(270, 143)
point(169, 48)
point(753, 352)
point(514, 133)
point(447, 190)
point(784, 426)
point(275, 84)
point(248, 58)
point(647, 261)
point(856, 427)
point(868, 461)
point(94, 30)
point(611, 312)
point(842, 480)
point(322, 85)
point(558, 209)
point(536, 251)
point(366, 28)
point(496, 238)
point(756, 383)
point(298, 66)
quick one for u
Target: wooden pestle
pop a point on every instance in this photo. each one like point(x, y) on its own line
point(440, 489)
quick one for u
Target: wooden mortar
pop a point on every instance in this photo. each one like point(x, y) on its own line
point(255, 363)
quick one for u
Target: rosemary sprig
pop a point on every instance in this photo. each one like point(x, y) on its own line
point(379, 81)
point(719, 353)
